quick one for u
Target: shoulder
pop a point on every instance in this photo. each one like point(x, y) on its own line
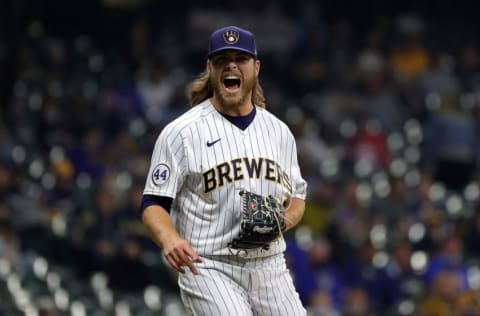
point(187, 119)
point(272, 119)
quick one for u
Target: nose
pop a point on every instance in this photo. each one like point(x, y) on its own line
point(231, 64)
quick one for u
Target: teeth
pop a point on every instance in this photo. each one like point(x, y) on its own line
point(232, 77)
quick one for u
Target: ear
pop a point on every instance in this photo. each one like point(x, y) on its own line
point(257, 67)
point(208, 67)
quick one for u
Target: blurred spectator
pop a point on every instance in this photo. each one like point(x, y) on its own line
point(99, 232)
point(348, 226)
point(437, 228)
point(468, 67)
point(321, 206)
point(156, 84)
point(318, 280)
point(409, 57)
point(314, 150)
point(371, 59)
point(407, 283)
point(421, 201)
point(394, 207)
point(371, 282)
point(468, 304)
point(116, 108)
point(442, 296)
point(439, 78)
point(451, 144)
point(62, 197)
point(450, 257)
point(87, 156)
point(369, 146)
point(128, 259)
point(335, 108)
point(357, 303)
point(130, 224)
point(24, 199)
point(378, 100)
point(321, 305)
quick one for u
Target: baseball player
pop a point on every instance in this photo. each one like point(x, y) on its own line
point(223, 186)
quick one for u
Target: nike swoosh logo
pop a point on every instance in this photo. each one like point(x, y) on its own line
point(210, 144)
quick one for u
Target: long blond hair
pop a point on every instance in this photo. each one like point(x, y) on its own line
point(201, 89)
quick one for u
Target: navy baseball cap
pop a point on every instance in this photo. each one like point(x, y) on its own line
point(232, 37)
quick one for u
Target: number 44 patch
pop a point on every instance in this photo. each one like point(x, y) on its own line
point(160, 174)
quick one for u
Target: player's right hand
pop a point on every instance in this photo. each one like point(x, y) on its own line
point(179, 254)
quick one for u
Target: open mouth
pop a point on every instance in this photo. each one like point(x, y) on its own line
point(231, 84)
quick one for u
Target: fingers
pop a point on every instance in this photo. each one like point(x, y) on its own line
point(182, 255)
point(175, 263)
point(189, 258)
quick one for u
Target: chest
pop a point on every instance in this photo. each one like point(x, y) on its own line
point(222, 154)
point(216, 141)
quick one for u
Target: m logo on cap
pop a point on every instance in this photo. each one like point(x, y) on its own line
point(231, 37)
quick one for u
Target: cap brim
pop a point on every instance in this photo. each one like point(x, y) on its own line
point(231, 48)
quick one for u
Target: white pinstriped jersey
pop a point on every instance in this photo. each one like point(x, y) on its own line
point(202, 161)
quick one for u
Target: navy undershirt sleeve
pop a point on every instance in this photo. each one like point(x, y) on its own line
point(149, 199)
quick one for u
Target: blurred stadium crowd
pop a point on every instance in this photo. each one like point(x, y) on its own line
point(383, 100)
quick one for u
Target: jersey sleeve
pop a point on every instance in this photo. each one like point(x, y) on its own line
point(165, 175)
point(299, 185)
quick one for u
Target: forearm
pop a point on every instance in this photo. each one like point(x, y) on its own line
point(178, 251)
point(159, 224)
point(294, 213)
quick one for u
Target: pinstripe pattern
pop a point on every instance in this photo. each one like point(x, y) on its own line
point(202, 160)
point(233, 286)
point(196, 214)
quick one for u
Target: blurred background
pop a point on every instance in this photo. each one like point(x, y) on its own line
point(383, 99)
